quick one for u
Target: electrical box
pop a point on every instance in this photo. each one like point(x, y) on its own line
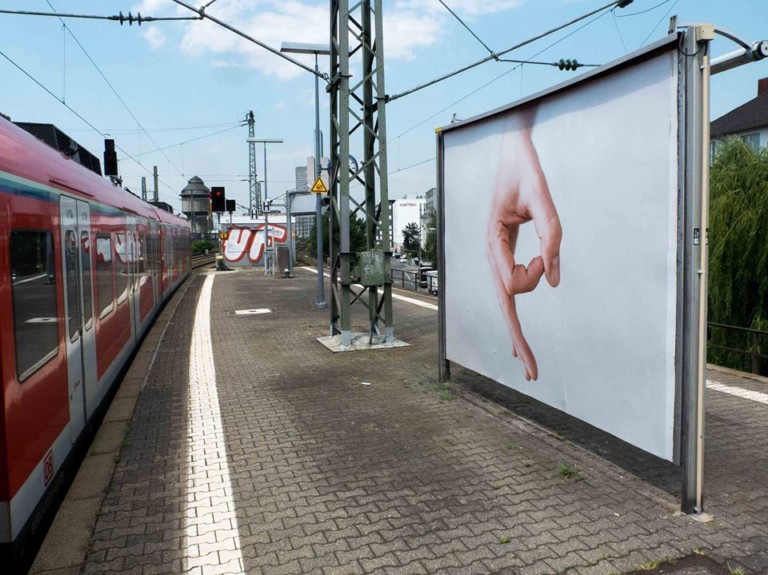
point(373, 268)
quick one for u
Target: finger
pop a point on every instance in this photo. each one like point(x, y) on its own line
point(525, 279)
point(501, 242)
point(520, 347)
point(547, 224)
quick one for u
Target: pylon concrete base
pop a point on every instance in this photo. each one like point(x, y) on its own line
point(360, 342)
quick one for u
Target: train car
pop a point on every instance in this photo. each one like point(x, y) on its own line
point(84, 268)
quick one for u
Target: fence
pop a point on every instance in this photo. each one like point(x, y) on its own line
point(417, 280)
point(737, 347)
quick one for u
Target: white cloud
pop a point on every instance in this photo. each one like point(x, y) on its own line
point(408, 26)
point(405, 31)
point(154, 36)
point(461, 7)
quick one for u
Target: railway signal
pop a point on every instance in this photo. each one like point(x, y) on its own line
point(218, 199)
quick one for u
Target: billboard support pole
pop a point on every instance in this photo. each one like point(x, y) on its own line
point(444, 366)
point(695, 164)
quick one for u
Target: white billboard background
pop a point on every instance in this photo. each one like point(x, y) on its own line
point(604, 338)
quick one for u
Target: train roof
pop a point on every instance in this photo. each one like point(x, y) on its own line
point(23, 155)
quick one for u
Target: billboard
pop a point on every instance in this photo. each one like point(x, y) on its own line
point(561, 246)
point(245, 245)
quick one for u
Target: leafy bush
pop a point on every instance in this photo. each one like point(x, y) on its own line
point(738, 252)
point(199, 246)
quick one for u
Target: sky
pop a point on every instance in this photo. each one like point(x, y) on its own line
point(175, 94)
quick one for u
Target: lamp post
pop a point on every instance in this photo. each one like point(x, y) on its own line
point(316, 49)
point(265, 141)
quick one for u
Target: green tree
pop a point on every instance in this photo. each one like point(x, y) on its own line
point(430, 243)
point(738, 258)
point(356, 235)
point(411, 239)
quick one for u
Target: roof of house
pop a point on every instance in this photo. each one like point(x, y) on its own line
point(750, 116)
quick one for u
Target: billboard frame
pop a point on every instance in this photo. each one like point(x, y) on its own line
point(692, 196)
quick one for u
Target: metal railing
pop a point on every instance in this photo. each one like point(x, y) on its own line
point(753, 359)
point(414, 280)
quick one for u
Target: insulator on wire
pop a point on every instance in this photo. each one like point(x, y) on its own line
point(568, 64)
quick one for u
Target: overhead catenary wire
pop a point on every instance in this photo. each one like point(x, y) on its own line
point(652, 8)
point(130, 18)
point(234, 124)
point(552, 45)
point(659, 22)
point(114, 91)
point(616, 3)
point(75, 112)
point(186, 142)
point(203, 14)
point(466, 26)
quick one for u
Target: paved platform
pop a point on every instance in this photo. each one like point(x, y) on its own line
point(251, 448)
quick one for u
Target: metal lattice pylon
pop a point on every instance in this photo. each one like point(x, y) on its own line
point(253, 186)
point(358, 114)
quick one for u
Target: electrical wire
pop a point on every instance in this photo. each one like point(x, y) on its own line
point(202, 14)
point(187, 142)
point(643, 11)
point(129, 131)
point(616, 3)
point(119, 18)
point(659, 22)
point(465, 26)
point(618, 31)
point(595, 19)
point(75, 112)
point(111, 87)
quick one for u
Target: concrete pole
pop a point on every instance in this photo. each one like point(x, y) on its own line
point(157, 193)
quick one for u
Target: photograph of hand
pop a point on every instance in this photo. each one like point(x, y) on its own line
point(521, 195)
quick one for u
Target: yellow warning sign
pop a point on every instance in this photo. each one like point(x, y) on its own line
point(319, 187)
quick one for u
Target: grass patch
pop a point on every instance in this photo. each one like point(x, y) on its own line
point(568, 471)
point(653, 564)
point(504, 539)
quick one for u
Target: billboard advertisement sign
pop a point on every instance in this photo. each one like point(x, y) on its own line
point(561, 247)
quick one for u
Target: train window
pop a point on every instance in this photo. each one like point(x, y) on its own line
point(35, 315)
point(121, 248)
point(71, 274)
point(104, 268)
point(85, 258)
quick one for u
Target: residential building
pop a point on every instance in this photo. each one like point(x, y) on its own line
point(749, 121)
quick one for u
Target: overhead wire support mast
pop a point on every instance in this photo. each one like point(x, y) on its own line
point(354, 274)
point(496, 55)
point(130, 18)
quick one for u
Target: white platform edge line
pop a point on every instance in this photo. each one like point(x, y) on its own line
point(394, 295)
point(738, 392)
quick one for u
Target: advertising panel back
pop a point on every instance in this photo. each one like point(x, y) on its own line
point(561, 248)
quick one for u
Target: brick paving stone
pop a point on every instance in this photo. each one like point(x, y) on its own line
point(307, 471)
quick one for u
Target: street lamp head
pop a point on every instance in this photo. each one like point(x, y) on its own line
point(304, 48)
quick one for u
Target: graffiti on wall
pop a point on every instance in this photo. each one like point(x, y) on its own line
point(246, 244)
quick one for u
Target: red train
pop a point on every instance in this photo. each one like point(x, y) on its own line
point(84, 268)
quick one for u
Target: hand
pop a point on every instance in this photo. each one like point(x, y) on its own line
point(521, 195)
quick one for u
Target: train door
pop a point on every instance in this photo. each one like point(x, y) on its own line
point(153, 248)
point(78, 297)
